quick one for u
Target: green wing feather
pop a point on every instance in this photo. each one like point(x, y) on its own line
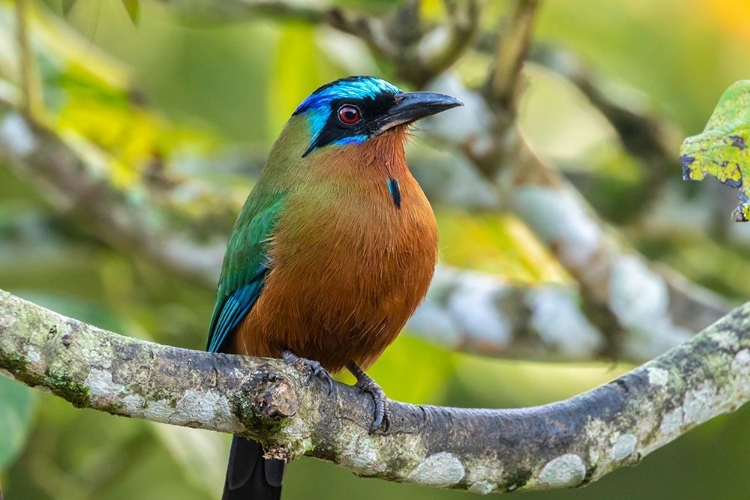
point(245, 265)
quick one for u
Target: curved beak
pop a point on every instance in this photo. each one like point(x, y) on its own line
point(412, 106)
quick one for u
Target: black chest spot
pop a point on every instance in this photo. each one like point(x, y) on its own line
point(395, 190)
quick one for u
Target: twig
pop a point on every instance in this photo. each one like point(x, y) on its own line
point(645, 135)
point(513, 41)
point(27, 82)
point(417, 51)
point(75, 188)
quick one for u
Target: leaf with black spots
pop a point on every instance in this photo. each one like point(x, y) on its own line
point(722, 149)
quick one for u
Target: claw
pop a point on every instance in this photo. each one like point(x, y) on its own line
point(323, 375)
point(365, 383)
point(315, 367)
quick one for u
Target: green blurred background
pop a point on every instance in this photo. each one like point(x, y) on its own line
point(218, 95)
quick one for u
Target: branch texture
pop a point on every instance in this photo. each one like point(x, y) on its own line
point(565, 444)
point(646, 309)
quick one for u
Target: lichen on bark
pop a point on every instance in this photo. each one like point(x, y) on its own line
point(564, 444)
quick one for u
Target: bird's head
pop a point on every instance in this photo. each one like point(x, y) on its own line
point(356, 109)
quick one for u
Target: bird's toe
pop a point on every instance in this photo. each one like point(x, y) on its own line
point(321, 373)
point(382, 415)
point(316, 369)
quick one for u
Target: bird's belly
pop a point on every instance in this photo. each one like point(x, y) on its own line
point(343, 297)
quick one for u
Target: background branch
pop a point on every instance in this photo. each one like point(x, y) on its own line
point(564, 444)
point(512, 44)
point(644, 134)
point(613, 276)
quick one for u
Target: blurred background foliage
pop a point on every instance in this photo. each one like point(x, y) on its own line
point(211, 98)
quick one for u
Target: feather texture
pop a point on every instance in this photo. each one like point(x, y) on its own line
point(245, 267)
point(347, 267)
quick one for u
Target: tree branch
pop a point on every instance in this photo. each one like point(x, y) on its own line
point(513, 41)
point(644, 134)
point(74, 185)
point(618, 286)
point(473, 312)
point(565, 444)
point(418, 50)
point(647, 308)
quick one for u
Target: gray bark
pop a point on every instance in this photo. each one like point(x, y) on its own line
point(565, 444)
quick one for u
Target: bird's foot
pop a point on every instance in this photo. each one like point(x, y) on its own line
point(315, 367)
point(365, 383)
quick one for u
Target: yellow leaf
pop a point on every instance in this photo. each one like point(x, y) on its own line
point(296, 69)
point(497, 244)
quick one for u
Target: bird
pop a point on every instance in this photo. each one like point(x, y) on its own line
point(332, 252)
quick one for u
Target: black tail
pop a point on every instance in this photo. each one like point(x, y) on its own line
point(249, 475)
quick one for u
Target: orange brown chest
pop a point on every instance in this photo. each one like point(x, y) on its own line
point(347, 271)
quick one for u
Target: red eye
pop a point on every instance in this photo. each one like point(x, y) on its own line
point(349, 115)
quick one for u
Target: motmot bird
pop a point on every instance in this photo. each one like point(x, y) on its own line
point(332, 252)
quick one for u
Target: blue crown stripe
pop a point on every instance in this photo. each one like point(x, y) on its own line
point(317, 107)
point(358, 87)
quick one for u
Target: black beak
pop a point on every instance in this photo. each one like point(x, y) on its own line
point(412, 106)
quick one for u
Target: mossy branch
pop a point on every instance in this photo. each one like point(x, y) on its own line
point(565, 444)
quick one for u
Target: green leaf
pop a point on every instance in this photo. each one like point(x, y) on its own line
point(292, 82)
point(202, 454)
point(17, 403)
point(134, 9)
point(67, 6)
point(412, 370)
point(722, 149)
